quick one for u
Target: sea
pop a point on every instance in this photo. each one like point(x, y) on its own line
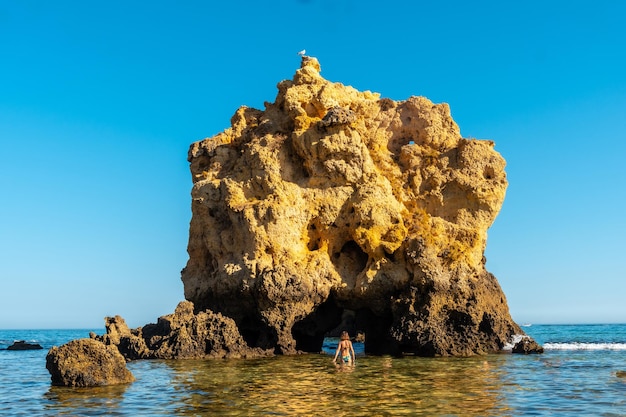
point(581, 373)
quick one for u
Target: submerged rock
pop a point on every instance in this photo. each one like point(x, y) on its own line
point(333, 200)
point(23, 345)
point(87, 363)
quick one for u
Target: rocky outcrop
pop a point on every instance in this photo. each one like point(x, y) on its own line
point(527, 346)
point(333, 200)
point(101, 360)
point(181, 335)
point(87, 363)
point(331, 207)
point(23, 345)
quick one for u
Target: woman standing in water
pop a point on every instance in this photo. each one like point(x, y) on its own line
point(345, 348)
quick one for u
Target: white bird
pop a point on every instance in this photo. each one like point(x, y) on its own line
point(302, 52)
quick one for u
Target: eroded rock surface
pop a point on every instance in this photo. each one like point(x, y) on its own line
point(87, 363)
point(181, 335)
point(333, 200)
point(331, 207)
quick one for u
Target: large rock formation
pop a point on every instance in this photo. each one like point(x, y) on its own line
point(333, 200)
point(331, 206)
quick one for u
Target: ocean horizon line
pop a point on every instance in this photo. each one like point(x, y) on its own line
point(521, 324)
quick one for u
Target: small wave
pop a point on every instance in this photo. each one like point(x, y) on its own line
point(515, 339)
point(584, 346)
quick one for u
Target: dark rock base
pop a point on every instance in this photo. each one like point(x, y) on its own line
point(23, 345)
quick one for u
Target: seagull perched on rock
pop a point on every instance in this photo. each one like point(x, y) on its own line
point(302, 52)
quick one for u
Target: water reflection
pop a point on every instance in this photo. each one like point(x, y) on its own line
point(151, 394)
point(92, 401)
point(311, 385)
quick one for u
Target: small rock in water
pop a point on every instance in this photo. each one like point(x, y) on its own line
point(526, 346)
point(23, 345)
point(620, 374)
point(87, 363)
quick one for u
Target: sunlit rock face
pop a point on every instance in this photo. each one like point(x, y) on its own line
point(335, 201)
point(87, 363)
point(180, 335)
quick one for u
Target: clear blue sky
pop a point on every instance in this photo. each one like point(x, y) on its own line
point(99, 102)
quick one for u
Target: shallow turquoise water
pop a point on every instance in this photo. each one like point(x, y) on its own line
point(576, 376)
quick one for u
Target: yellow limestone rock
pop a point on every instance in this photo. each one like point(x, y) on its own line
point(333, 200)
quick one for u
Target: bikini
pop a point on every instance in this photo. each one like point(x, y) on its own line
point(345, 354)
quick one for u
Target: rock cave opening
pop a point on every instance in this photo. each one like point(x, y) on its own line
point(333, 316)
point(256, 333)
point(330, 319)
point(309, 332)
point(376, 329)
